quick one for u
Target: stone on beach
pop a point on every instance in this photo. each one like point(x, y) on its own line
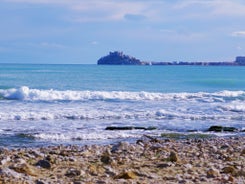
point(24, 168)
point(229, 169)
point(72, 172)
point(212, 160)
point(44, 164)
point(126, 175)
point(212, 173)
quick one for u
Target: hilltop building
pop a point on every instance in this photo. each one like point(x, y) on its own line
point(118, 58)
point(240, 60)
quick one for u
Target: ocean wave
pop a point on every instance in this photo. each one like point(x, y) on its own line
point(159, 115)
point(28, 94)
point(88, 136)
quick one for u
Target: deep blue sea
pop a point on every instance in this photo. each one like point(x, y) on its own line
point(73, 104)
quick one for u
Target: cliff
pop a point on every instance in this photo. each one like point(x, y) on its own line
point(118, 58)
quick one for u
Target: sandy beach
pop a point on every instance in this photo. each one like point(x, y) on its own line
point(213, 160)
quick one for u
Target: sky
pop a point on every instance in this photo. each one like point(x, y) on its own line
point(82, 31)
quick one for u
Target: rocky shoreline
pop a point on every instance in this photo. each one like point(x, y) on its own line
point(148, 160)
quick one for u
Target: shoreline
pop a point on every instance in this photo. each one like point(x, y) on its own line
point(147, 160)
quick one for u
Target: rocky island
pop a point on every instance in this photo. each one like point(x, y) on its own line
point(118, 58)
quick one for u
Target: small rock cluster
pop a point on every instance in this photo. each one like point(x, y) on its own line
point(214, 160)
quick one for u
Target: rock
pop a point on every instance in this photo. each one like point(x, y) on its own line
point(118, 58)
point(130, 128)
point(24, 168)
point(173, 157)
point(231, 179)
point(229, 170)
point(121, 146)
point(222, 129)
point(243, 152)
point(72, 172)
point(164, 165)
point(5, 160)
point(126, 175)
point(240, 173)
point(212, 173)
point(39, 182)
point(122, 128)
point(106, 158)
point(110, 171)
point(44, 164)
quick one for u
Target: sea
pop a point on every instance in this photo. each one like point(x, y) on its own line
point(52, 104)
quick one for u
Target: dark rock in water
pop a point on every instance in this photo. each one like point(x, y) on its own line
point(118, 58)
point(215, 128)
point(119, 128)
point(25, 136)
point(230, 129)
point(222, 129)
point(130, 128)
point(151, 128)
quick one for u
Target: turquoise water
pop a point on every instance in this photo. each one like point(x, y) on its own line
point(123, 78)
point(52, 104)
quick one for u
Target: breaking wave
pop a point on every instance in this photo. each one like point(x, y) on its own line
point(28, 94)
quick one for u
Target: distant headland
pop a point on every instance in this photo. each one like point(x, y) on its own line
point(119, 58)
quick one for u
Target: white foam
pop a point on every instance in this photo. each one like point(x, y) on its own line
point(25, 93)
point(31, 104)
point(97, 135)
point(83, 115)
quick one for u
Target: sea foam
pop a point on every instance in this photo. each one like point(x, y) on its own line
point(26, 93)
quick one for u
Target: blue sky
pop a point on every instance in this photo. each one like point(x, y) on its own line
point(81, 31)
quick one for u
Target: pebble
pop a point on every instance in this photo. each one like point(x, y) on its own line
point(72, 172)
point(126, 175)
point(24, 168)
point(214, 160)
point(212, 173)
point(173, 157)
point(243, 152)
point(229, 170)
point(44, 164)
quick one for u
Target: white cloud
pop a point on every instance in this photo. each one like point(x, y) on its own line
point(229, 8)
point(49, 45)
point(213, 7)
point(181, 35)
point(94, 43)
point(52, 45)
point(39, 1)
point(238, 34)
point(239, 48)
point(107, 10)
point(96, 10)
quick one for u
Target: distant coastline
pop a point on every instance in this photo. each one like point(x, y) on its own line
point(119, 58)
